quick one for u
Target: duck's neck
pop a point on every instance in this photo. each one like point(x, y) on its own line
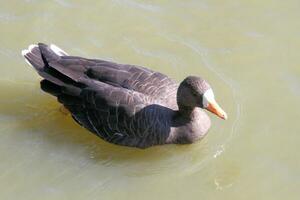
point(189, 125)
point(184, 116)
point(186, 102)
point(186, 112)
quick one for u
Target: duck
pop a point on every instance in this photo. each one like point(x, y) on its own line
point(125, 104)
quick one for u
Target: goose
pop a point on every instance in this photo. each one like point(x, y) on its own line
point(125, 104)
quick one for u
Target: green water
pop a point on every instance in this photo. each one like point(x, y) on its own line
point(247, 50)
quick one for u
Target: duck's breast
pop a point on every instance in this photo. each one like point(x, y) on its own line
point(200, 124)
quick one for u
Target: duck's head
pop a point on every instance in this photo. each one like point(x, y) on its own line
point(196, 92)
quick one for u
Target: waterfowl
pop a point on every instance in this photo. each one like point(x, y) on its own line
point(125, 104)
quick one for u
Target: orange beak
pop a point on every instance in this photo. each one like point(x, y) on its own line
point(216, 109)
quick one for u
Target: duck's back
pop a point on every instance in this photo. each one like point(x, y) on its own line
point(154, 84)
point(123, 104)
point(140, 79)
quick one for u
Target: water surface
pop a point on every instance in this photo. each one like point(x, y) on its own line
point(247, 50)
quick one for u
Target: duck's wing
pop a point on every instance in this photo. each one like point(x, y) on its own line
point(140, 79)
point(110, 112)
point(116, 114)
point(136, 78)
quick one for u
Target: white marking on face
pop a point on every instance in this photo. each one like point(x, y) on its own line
point(208, 97)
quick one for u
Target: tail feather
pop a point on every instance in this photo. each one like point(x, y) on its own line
point(55, 82)
point(33, 57)
point(48, 54)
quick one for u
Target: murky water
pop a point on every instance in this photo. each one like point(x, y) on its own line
point(248, 51)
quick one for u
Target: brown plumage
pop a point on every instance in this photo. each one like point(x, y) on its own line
point(123, 104)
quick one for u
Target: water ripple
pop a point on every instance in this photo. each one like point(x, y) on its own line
point(141, 6)
point(64, 3)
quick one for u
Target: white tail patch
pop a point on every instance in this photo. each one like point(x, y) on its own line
point(27, 51)
point(24, 52)
point(32, 46)
point(58, 50)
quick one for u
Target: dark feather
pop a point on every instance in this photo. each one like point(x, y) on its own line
point(123, 104)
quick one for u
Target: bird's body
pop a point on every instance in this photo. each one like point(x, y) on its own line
point(122, 104)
